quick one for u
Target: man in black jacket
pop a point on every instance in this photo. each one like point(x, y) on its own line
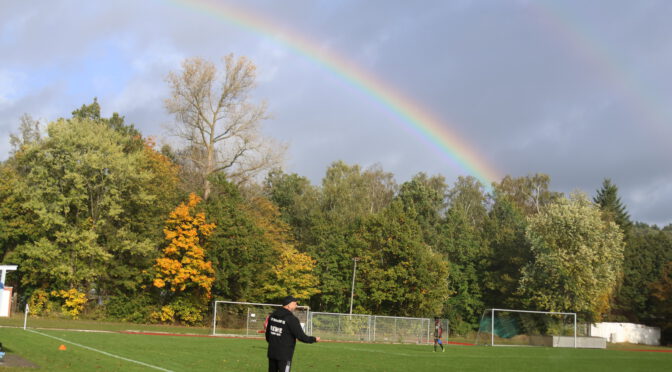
point(281, 333)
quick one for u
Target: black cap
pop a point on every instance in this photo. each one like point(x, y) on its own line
point(289, 299)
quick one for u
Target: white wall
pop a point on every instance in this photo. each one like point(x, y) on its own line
point(626, 332)
point(5, 301)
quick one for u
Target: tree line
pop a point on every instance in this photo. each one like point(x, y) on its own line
point(104, 223)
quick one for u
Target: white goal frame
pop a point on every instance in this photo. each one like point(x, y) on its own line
point(214, 312)
point(492, 321)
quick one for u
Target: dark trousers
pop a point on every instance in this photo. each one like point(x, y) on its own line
point(275, 365)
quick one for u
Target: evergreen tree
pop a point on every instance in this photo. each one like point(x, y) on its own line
point(612, 207)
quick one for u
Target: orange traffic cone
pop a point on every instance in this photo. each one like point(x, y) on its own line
point(62, 347)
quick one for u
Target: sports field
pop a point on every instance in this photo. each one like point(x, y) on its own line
point(115, 351)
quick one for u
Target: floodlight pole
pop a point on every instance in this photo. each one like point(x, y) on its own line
point(352, 291)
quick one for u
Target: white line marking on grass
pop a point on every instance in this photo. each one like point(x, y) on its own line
point(100, 351)
point(380, 352)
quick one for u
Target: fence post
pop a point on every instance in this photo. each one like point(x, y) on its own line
point(395, 329)
point(374, 328)
point(575, 330)
point(492, 327)
point(25, 317)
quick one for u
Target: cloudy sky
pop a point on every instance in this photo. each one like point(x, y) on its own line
point(578, 90)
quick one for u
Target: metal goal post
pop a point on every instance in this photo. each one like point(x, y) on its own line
point(507, 327)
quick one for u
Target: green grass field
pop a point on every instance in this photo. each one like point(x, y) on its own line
point(87, 351)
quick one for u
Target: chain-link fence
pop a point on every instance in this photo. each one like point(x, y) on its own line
point(370, 328)
point(340, 327)
point(248, 319)
point(401, 330)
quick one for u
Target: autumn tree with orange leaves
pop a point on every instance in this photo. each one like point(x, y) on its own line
point(183, 271)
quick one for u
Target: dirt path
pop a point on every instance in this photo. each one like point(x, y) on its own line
point(13, 360)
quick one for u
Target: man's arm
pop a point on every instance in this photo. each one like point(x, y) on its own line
point(297, 331)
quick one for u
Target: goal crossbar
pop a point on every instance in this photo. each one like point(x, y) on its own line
point(533, 311)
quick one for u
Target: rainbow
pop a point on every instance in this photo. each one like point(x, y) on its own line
point(579, 43)
point(412, 115)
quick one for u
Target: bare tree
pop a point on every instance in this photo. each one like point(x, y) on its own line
point(219, 124)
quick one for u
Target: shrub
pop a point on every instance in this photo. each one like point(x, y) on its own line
point(137, 308)
point(40, 303)
point(73, 301)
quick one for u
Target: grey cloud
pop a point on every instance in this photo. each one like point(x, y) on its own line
point(575, 89)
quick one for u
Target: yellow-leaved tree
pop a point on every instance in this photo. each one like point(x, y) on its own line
point(292, 272)
point(183, 270)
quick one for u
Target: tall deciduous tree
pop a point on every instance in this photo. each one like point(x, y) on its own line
point(291, 271)
point(661, 290)
point(348, 192)
point(218, 121)
point(238, 248)
point(17, 223)
point(530, 194)
point(465, 251)
point(427, 197)
point(577, 258)
point(647, 251)
point(509, 253)
point(297, 200)
point(399, 273)
point(133, 138)
point(334, 246)
point(81, 185)
point(348, 195)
